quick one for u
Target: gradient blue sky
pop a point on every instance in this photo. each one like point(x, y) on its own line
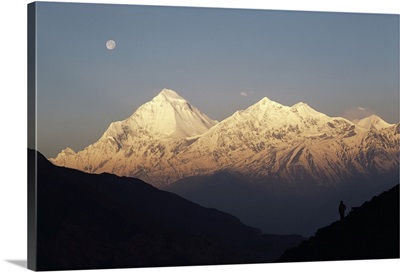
point(339, 63)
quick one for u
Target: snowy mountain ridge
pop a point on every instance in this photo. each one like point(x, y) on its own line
point(167, 115)
point(168, 139)
point(373, 122)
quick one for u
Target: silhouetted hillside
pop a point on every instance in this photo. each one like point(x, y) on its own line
point(368, 232)
point(90, 221)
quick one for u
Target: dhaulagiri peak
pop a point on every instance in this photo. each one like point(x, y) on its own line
point(169, 95)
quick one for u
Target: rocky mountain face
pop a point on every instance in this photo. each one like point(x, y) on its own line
point(168, 139)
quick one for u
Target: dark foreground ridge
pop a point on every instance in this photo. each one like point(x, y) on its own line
point(88, 221)
point(368, 232)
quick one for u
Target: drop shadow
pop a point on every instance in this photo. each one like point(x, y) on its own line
point(20, 263)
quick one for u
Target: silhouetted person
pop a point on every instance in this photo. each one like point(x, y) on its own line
point(342, 209)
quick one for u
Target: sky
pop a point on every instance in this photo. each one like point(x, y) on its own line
point(220, 60)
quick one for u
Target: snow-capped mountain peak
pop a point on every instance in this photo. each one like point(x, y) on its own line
point(373, 122)
point(169, 95)
point(68, 150)
point(266, 103)
point(171, 115)
point(264, 106)
point(64, 155)
point(274, 115)
point(301, 105)
point(305, 110)
point(168, 115)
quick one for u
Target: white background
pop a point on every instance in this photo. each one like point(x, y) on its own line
point(13, 140)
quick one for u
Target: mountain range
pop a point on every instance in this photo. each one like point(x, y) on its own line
point(279, 168)
point(168, 139)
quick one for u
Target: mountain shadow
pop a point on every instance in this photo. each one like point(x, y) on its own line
point(91, 221)
point(368, 232)
point(275, 206)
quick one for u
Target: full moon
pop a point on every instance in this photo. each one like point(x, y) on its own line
point(110, 44)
